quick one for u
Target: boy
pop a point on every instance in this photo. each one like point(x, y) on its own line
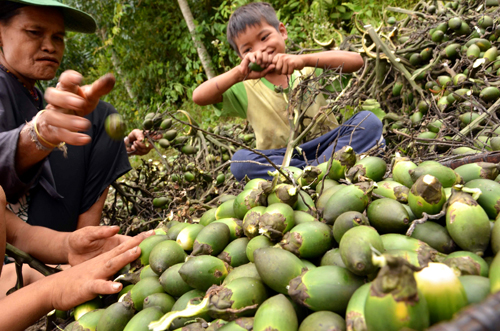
point(257, 36)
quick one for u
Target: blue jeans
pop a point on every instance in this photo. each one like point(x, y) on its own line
point(362, 132)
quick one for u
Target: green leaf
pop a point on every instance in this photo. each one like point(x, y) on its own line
point(347, 15)
point(379, 113)
point(351, 6)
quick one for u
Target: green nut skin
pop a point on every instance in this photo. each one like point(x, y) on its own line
point(276, 313)
point(314, 288)
point(115, 127)
point(356, 249)
point(253, 66)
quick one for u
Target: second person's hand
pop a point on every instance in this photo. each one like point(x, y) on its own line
point(85, 281)
point(91, 241)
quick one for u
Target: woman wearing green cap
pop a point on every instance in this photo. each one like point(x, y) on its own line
point(59, 160)
point(56, 163)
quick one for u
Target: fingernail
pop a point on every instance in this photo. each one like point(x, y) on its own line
point(150, 232)
point(83, 140)
point(114, 226)
point(117, 286)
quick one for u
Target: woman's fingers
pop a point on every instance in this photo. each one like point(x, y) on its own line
point(70, 81)
point(57, 127)
point(99, 88)
point(64, 121)
point(66, 100)
point(71, 138)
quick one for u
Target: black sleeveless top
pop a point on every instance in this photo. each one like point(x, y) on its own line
point(59, 189)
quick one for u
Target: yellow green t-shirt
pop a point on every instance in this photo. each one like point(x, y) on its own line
point(266, 109)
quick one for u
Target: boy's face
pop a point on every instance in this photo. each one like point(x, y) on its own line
point(262, 37)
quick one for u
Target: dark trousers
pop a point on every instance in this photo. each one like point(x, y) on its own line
point(362, 132)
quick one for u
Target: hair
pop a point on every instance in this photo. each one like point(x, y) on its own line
point(250, 15)
point(8, 10)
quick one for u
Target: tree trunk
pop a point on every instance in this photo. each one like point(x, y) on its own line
point(202, 51)
point(116, 65)
point(126, 82)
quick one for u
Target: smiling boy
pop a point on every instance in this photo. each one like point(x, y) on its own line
point(257, 36)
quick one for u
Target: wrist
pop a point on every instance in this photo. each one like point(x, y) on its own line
point(308, 60)
point(44, 131)
point(65, 246)
point(47, 286)
point(237, 75)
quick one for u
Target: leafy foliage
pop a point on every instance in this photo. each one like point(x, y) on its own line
point(148, 47)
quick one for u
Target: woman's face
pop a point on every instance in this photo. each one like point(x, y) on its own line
point(33, 43)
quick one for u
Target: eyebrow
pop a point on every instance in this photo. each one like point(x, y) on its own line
point(258, 34)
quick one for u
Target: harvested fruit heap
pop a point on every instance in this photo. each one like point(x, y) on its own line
point(357, 243)
point(193, 172)
point(335, 245)
point(433, 79)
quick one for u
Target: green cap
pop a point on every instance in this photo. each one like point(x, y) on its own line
point(74, 19)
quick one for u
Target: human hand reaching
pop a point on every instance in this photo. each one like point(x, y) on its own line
point(91, 241)
point(135, 144)
point(86, 280)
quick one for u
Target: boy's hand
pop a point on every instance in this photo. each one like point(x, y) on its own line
point(285, 64)
point(91, 241)
point(263, 59)
point(86, 280)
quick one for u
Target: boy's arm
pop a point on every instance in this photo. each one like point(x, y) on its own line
point(287, 63)
point(68, 288)
point(211, 91)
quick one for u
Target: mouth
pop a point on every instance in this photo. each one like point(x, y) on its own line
point(49, 59)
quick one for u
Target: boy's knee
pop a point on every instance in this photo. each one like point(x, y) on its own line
point(242, 155)
point(239, 167)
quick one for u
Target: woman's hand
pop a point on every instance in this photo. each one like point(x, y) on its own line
point(70, 97)
point(91, 241)
point(86, 280)
point(67, 104)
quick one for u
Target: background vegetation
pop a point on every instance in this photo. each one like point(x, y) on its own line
point(148, 47)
